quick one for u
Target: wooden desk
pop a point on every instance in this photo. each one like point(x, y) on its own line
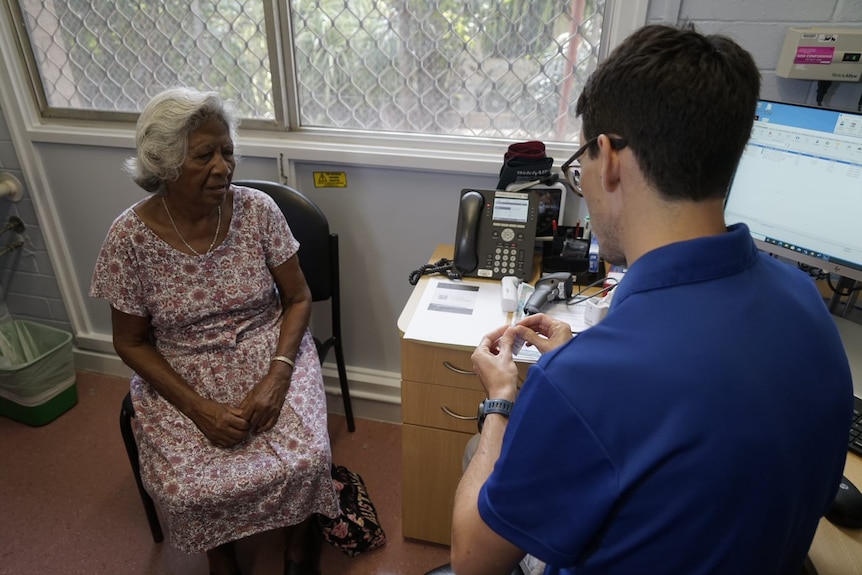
point(837, 551)
point(436, 375)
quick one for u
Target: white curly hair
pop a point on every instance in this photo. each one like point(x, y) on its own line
point(163, 130)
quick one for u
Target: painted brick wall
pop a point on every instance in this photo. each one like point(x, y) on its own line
point(759, 26)
point(28, 288)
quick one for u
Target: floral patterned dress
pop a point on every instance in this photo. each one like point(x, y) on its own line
point(215, 318)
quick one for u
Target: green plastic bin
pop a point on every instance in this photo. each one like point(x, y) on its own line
point(37, 372)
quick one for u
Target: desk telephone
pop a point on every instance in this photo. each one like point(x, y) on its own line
point(496, 234)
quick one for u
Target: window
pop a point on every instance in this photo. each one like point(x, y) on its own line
point(474, 68)
point(114, 55)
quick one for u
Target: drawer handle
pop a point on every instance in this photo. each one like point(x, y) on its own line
point(451, 413)
point(451, 367)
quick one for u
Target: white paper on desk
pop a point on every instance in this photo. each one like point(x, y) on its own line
point(457, 313)
point(571, 314)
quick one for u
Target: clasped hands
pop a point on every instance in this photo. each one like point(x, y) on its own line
point(493, 361)
point(227, 425)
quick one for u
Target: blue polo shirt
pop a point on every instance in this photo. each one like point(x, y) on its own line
point(700, 428)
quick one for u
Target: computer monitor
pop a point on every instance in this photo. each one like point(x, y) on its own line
point(551, 210)
point(551, 206)
point(798, 186)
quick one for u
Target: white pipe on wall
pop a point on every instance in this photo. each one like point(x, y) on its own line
point(10, 187)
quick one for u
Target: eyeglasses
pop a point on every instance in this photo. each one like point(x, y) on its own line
point(572, 168)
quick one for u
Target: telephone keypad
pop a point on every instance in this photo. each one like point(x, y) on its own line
point(507, 259)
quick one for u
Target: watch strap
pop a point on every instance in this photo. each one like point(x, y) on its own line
point(488, 406)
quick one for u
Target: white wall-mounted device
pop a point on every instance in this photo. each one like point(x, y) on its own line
point(832, 54)
point(10, 187)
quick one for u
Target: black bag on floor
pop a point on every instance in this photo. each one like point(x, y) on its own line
point(357, 529)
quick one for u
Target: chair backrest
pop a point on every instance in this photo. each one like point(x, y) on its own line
point(310, 226)
point(318, 258)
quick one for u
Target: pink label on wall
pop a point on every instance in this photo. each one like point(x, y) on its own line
point(813, 55)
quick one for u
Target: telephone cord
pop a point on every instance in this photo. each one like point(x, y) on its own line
point(441, 266)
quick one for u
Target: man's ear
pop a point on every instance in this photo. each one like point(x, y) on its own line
point(610, 163)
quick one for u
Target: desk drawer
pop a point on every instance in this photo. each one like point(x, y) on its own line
point(421, 404)
point(443, 365)
point(440, 365)
point(432, 467)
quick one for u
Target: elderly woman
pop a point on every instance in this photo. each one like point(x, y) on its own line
point(210, 309)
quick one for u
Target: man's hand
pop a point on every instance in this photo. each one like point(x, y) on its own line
point(543, 331)
point(221, 423)
point(495, 366)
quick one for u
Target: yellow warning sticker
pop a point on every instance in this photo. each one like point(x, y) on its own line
point(330, 180)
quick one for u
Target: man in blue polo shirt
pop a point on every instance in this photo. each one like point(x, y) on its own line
point(702, 426)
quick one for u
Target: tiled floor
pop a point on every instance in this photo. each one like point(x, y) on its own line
point(68, 502)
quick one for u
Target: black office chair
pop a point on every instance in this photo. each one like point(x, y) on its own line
point(318, 258)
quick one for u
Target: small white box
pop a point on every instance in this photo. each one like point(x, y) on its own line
point(833, 54)
point(595, 311)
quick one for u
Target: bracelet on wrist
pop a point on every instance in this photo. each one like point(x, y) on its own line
point(283, 359)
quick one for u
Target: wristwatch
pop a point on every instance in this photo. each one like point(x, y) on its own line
point(501, 406)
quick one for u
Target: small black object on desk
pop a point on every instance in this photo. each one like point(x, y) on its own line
point(846, 510)
point(567, 253)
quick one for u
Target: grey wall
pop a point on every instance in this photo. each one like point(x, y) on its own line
point(389, 220)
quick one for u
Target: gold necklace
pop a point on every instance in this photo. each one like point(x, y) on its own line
point(179, 235)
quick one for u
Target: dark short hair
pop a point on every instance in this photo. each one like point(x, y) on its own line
point(684, 102)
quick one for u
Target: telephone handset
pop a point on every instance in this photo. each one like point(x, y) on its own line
point(466, 235)
point(496, 234)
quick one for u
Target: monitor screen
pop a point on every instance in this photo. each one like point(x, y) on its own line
point(551, 202)
point(798, 186)
point(551, 206)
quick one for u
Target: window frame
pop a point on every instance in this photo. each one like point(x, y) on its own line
point(283, 138)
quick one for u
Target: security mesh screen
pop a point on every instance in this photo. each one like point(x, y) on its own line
point(498, 69)
point(507, 69)
point(113, 55)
